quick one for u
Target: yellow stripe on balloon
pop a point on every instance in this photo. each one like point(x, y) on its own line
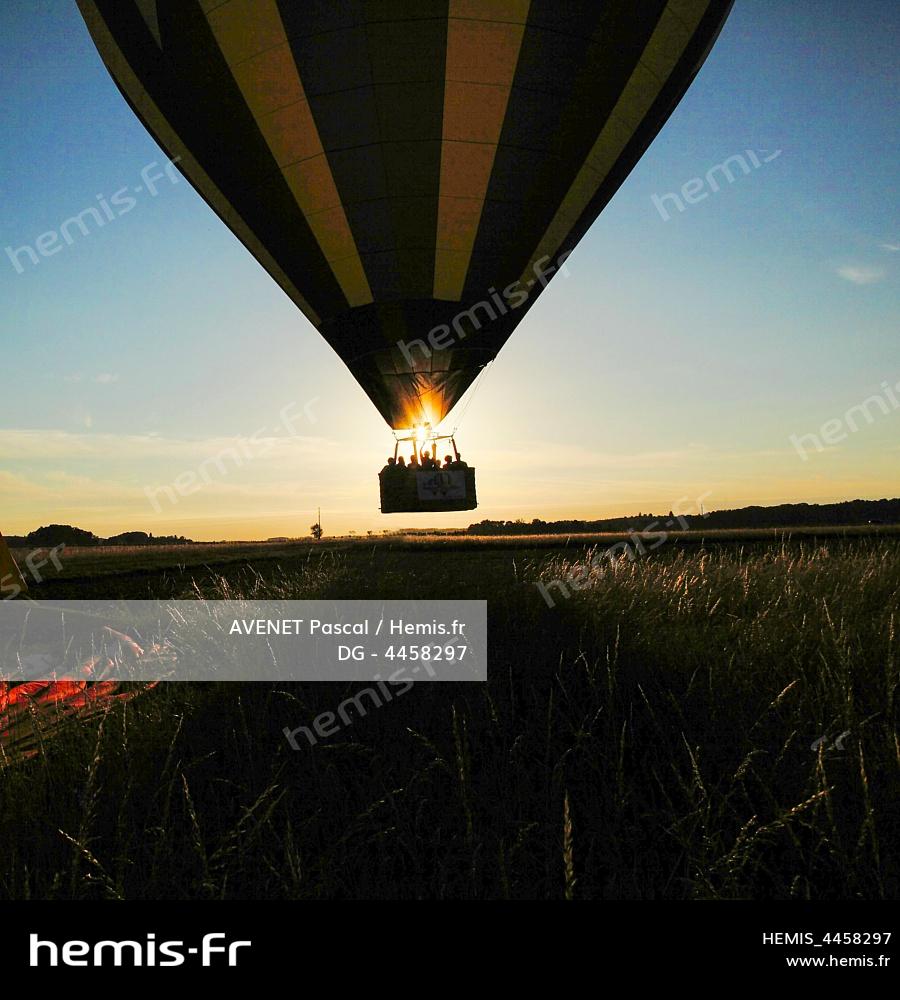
point(483, 42)
point(252, 38)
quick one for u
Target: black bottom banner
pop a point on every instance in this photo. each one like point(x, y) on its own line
point(344, 943)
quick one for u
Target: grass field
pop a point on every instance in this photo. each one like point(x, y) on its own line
point(671, 729)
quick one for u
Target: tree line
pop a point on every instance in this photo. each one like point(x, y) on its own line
point(66, 534)
point(787, 515)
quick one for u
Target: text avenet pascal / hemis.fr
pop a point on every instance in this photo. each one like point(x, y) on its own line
point(315, 626)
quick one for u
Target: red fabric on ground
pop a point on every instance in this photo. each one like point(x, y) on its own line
point(32, 710)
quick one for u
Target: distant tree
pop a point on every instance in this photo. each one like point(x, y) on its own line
point(145, 538)
point(131, 538)
point(61, 534)
point(316, 531)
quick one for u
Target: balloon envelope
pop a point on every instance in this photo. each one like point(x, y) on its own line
point(411, 172)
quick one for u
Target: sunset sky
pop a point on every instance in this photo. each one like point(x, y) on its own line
point(676, 360)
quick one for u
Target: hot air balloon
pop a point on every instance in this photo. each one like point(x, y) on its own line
point(411, 172)
point(11, 582)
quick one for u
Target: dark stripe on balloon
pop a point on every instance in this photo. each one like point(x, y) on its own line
point(374, 80)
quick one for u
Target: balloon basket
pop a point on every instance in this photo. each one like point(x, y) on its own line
point(406, 491)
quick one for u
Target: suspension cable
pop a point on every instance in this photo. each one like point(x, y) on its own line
point(475, 387)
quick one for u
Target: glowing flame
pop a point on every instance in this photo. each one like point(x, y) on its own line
point(420, 414)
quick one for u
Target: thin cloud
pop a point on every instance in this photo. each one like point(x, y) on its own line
point(861, 275)
point(102, 378)
point(42, 445)
point(890, 247)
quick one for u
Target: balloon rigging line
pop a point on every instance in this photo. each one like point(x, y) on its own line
point(475, 389)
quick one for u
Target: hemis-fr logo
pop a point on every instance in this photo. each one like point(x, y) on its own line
point(149, 953)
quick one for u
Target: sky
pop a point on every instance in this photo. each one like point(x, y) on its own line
point(713, 354)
